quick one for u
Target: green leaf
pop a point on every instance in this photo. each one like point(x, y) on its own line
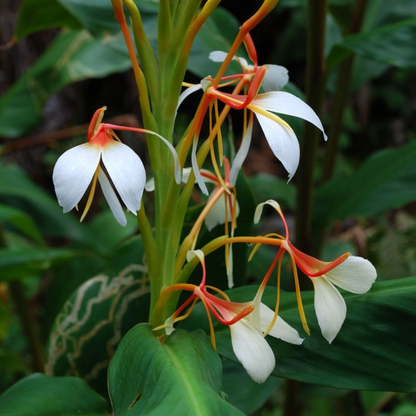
point(385, 181)
point(267, 186)
point(36, 15)
point(73, 56)
point(243, 392)
point(181, 376)
point(18, 190)
point(26, 261)
point(95, 317)
point(21, 221)
point(42, 395)
point(392, 44)
point(375, 349)
point(217, 34)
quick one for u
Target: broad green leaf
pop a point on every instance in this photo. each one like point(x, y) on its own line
point(267, 186)
point(93, 320)
point(18, 190)
point(73, 56)
point(26, 261)
point(375, 349)
point(385, 181)
point(392, 44)
point(179, 376)
point(217, 34)
point(21, 221)
point(42, 395)
point(242, 391)
point(36, 15)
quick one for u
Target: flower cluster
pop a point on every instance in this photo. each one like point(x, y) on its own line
point(121, 174)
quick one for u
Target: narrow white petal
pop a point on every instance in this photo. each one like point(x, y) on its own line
point(241, 155)
point(111, 198)
point(355, 274)
point(196, 170)
point(330, 307)
point(127, 172)
point(230, 267)
point(73, 173)
point(281, 329)
point(186, 93)
point(217, 56)
point(283, 143)
point(252, 350)
point(286, 103)
point(177, 165)
point(276, 78)
point(259, 209)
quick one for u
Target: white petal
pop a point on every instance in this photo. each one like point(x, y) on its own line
point(73, 173)
point(329, 306)
point(355, 275)
point(186, 93)
point(217, 56)
point(127, 172)
point(241, 155)
point(276, 78)
point(252, 350)
point(169, 325)
point(283, 143)
point(230, 268)
point(216, 215)
point(281, 329)
point(111, 198)
point(259, 209)
point(196, 170)
point(150, 185)
point(177, 165)
point(285, 103)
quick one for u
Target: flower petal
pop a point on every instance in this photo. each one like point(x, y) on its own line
point(186, 93)
point(276, 78)
point(241, 155)
point(196, 170)
point(73, 173)
point(111, 198)
point(285, 103)
point(283, 143)
point(217, 56)
point(252, 350)
point(355, 275)
point(216, 215)
point(329, 306)
point(281, 329)
point(127, 172)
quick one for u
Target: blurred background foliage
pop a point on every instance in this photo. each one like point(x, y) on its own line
point(68, 59)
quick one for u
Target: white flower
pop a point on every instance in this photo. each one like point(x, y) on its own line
point(356, 275)
point(80, 166)
point(250, 346)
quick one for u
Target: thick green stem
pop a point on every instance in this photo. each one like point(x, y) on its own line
point(315, 90)
point(341, 94)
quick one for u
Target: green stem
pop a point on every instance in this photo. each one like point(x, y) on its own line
point(315, 90)
point(340, 99)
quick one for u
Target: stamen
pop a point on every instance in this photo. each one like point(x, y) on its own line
point(219, 134)
point(298, 296)
point(215, 289)
point(91, 196)
point(276, 310)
